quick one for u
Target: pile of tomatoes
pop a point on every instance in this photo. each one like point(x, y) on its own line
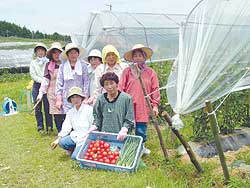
point(99, 151)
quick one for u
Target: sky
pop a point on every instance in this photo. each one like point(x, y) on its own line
point(65, 17)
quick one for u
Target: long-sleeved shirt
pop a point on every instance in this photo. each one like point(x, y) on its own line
point(63, 85)
point(130, 84)
point(112, 116)
point(104, 68)
point(37, 67)
point(77, 123)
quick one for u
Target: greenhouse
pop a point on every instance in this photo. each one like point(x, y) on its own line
point(123, 30)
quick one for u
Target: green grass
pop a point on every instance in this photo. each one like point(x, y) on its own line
point(26, 160)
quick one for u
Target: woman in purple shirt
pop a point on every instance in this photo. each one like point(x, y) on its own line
point(72, 72)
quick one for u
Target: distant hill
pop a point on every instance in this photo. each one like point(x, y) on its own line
point(10, 29)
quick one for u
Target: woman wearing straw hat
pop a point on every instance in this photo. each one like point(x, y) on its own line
point(130, 84)
point(49, 83)
point(111, 63)
point(76, 125)
point(72, 72)
point(94, 59)
point(37, 67)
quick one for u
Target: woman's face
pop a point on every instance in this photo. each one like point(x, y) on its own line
point(94, 61)
point(110, 86)
point(138, 57)
point(73, 55)
point(76, 100)
point(40, 52)
point(56, 54)
point(111, 59)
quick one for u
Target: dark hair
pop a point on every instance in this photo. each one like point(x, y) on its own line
point(41, 47)
point(73, 49)
point(89, 58)
point(109, 76)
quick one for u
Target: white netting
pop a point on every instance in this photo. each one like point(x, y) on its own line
point(123, 30)
point(213, 54)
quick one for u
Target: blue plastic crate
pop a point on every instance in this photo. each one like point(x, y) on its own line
point(111, 139)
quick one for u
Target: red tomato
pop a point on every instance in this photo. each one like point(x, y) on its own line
point(90, 158)
point(91, 153)
point(104, 153)
point(85, 157)
point(100, 156)
point(116, 157)
point(101, 142)
point(111, 157)
point(106, 145)
point(116, 153)
point(86, 154)
point(101, 146)
point(98, 152)
point(89, 150)
point(91, 146)
point(94, 149)
point(95, 159)
point(107, 161)
point(101, 160)
point(113, 161)
point(107, 150)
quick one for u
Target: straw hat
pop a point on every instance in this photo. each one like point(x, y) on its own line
point(40, 45)
point(148, 51)
point(69, 47)
point(75, 91)
point(54, 45)
point(95, 53)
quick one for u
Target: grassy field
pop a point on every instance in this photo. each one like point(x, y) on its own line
point(26, 159)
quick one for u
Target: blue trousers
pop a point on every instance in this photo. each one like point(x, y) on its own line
point(68, 144)
point(141, 130)
point(38, 109)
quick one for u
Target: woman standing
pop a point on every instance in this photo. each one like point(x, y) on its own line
point(37, 67)
point(94, 59)
point(49, 83)
point(111, 63)
point(130, 84)
point(72, 72)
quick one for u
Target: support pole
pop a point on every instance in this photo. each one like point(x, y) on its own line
point(214, 128)
point(187, 147)
point(155, 123)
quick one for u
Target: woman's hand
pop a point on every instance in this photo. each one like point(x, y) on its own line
point(122, 134)
point(155, 110)
point(55, 143)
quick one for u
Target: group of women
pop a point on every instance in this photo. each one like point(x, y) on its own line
point(102, 94)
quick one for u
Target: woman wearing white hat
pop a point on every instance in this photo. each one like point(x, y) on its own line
point(49, 83)
point(94, 59)
point(37, 67)
point(72, 72)
point(76, 125)
point(130, 84)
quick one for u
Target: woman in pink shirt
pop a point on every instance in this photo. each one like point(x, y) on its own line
point(130, 84)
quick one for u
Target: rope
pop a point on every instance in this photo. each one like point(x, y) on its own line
point(164, 87)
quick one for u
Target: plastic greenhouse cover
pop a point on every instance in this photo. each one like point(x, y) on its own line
point(213, 55)
point(123, 30)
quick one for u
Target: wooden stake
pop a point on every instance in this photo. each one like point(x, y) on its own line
point(184, 143)
point(214, 128)
point(155, 123)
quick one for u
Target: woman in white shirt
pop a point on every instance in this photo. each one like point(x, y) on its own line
point(76, 125)
point(37, 67)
